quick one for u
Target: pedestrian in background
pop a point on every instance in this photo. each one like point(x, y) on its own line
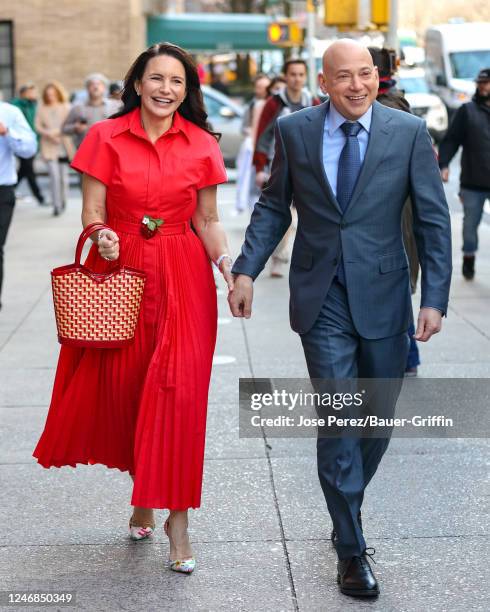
point(219, 80)
point(16, 138)
point(56, 147)
point(142, 408)
point(97, 107)
point(27, 103)
point(245, 194)
point(388, 94)
point(277, 84)
point(470, 129)
point(115, 91)
point(292, 98)
point(261, 84)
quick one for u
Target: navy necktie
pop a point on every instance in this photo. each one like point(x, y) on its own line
point(349, 164)
point(347, 173)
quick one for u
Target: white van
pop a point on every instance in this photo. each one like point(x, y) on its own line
point(454, 54)
point(422, 102)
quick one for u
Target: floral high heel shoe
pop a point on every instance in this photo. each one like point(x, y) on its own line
point(137, 532)
point(184, 566)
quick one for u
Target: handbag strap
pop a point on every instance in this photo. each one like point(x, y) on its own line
point(87, 232)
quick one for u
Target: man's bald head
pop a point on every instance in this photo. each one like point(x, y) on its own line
point(349, 77)
point(341, 51)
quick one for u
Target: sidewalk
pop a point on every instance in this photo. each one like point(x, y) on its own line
point(261, 537)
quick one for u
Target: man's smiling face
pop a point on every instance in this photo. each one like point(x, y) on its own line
point(350, 78)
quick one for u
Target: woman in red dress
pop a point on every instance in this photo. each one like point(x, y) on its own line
point(142, 408)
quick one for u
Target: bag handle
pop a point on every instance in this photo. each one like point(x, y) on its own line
point(87, 232)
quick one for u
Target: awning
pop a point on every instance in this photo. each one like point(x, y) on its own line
point(211, 31)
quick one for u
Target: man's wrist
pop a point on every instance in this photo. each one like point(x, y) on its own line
point(441, 312)
point(245, 277)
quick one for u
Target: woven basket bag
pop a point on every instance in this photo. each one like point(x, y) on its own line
point(92, 309)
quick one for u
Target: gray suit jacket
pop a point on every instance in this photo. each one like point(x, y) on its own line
point(399, 162)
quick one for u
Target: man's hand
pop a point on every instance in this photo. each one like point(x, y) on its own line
point(3, 129)
point(80, 127)
point(240, 298)
point(428, 324)
point(445, 175)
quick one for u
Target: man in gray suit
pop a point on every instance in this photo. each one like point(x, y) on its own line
point(350, 165)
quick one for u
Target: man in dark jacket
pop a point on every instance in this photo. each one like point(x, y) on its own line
point(470, 129)
point(388, 94)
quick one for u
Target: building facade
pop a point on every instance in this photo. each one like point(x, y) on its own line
point(41, 40)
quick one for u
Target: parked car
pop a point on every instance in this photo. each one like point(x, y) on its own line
point(422, 102)
point(225, 117)
point(454, 54)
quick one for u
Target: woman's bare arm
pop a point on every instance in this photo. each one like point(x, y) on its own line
point(93, 211)
point(210, 230)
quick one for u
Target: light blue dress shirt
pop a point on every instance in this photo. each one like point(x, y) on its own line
point(20, 140)
point(334, 141)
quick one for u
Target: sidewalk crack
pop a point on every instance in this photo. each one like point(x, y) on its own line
point(294, 596)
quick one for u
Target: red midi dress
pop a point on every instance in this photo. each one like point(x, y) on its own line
point(142, 408)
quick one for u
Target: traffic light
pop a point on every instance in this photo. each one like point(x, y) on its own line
point(341, 12)
point(286, 33)
point(380, 12)
point(345, 13)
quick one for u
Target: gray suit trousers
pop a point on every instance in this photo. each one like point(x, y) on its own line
point(334, 350)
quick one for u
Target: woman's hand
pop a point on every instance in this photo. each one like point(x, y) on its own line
point(108, 243)
point(55, 138)
point(225, 269)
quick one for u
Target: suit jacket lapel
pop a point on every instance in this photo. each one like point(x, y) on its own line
point(379, 137)
point(312, 131)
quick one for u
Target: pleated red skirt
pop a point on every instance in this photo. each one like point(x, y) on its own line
point(142, 408)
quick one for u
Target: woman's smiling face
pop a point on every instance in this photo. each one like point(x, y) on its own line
point(163, 86)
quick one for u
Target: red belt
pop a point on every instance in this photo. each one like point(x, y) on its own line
point(167, 229)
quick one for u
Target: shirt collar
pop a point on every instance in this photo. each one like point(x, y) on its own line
point(334, 119)
point(132, 122)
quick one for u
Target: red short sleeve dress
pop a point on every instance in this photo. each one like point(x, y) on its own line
point(142, 408)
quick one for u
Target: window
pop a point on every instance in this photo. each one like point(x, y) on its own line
point(411, 85)
point(7, 84)
point(212, 105)
point(467, 64)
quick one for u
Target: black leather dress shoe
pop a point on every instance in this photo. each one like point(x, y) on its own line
point(469, 267)
point(333, 535)
point(355, 576)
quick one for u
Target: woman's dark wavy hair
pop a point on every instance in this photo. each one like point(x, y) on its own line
point(192, 108)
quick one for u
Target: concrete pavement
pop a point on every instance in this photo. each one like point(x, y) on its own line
point(261, 537)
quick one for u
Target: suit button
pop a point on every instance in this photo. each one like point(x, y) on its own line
point(343, 225)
